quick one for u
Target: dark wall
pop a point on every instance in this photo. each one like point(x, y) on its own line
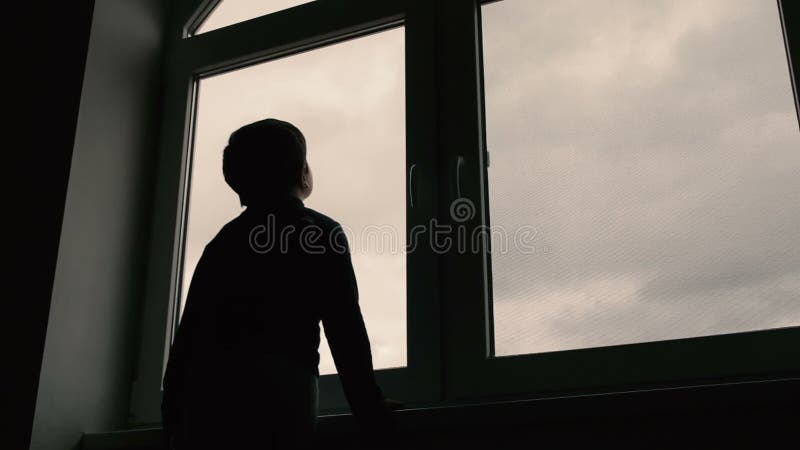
point(49, 54)
point(87, 369)
point(82, 106)
point(757, 415)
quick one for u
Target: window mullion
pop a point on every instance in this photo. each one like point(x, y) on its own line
point(464, 282)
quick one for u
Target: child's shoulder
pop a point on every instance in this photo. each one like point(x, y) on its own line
point(314, 217)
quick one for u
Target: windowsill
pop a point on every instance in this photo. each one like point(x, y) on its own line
point(577, 407)
point(533, 413)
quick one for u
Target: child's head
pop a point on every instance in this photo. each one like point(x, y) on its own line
point(266, 160)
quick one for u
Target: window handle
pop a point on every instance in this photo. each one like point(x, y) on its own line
point(411, 184)
point(459, 162)
point(462, 209)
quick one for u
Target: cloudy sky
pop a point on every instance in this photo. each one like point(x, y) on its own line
point(655, 148)
point(349, 101)
point(653, 145)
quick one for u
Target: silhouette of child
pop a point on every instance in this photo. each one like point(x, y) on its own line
point(243, 367)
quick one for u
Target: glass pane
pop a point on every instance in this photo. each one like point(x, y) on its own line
point(651, 151)
point(229, 12)
point(349, 101)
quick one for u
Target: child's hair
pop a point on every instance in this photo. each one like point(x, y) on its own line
point(264, 160)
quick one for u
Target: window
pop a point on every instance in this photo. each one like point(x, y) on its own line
point(594, 196)
point(548, 153)
point(350, 77)
point(653, 153)
point(348, 99)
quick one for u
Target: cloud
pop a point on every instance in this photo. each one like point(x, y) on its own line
point(652, 145)
point(655, 148)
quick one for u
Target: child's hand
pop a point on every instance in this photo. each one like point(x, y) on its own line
point(393, 405)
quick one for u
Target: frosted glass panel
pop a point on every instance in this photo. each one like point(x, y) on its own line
point(349, 101)
point(229, 12)
point(653, 147)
